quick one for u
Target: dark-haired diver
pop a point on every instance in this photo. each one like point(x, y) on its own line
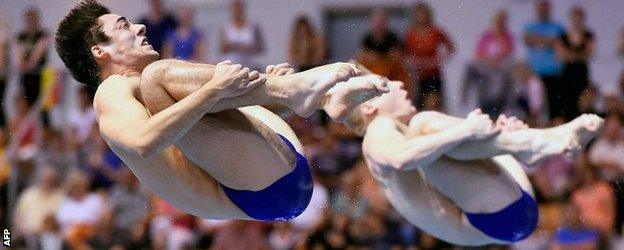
point(191, 132)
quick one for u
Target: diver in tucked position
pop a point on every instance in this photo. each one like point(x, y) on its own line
point(190, 131)
point(460, 179)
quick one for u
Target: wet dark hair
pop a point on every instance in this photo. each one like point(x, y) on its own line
point(77, 33)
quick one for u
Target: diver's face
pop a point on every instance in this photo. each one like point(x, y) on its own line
point(395, 103)
point(127, 44)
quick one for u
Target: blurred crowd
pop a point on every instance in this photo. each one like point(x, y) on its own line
point(74, 193)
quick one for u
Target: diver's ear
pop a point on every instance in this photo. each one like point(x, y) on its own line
point(367, 109)
point(99, 53)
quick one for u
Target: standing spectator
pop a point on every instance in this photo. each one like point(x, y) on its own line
point(239, 39)
point(37, 203)
point(381, 49)
point(31, 49)
point(528, 100)
point(158, 23)
point(307, 46)
point(574, 48)
point(422, 44)
point(540, 38)
point(491, 70)
point(186, 42)
point(4, 65)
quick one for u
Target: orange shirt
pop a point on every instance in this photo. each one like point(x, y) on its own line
point(597, 205)
point(422, 45)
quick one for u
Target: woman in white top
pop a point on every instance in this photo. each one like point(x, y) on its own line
point(240, 40)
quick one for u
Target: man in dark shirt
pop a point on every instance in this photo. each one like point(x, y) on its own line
point(159, 24)
point(32, 44)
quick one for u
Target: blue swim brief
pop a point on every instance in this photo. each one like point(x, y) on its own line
point(285, 199)
point(513, 223)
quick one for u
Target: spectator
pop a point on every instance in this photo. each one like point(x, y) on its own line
point(422, 44)
point(307, 46)
point(282, 237)
point(574, 234)
point(607, 152)
point(495, 46)
point(490, 72)
point(595, 199)
point(240, 40)
point(129, 203)
point(158, 23)
point(82, 120)
point(36, 203)
point(528, 99)
point(186, 42)
point(244, 235)
point(56, 152)
point(381, 49)
point(587, 100)
point(50, 237)
point(5, 32)
point(81, 209)
point(574, 48)
point(31, 49)
point(172, 228)
point(540, 38)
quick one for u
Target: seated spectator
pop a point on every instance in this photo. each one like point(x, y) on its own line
point(80, 210)
point(171, 228)
point(283, 237)
point(100, 161)
point(381, 49)
point(37, 203)
point(587, 100)
point(82, 119)
point(594, 199)
point(50, 236)
point(186, 42)
point(241, 235)
point(607, 152)
point(56, 151)
point(128, 201)
point(490, 72)
point(307, 46)
point(105, 236)
point(575, 234)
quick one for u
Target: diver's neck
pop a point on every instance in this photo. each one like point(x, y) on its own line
point(121, 71)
